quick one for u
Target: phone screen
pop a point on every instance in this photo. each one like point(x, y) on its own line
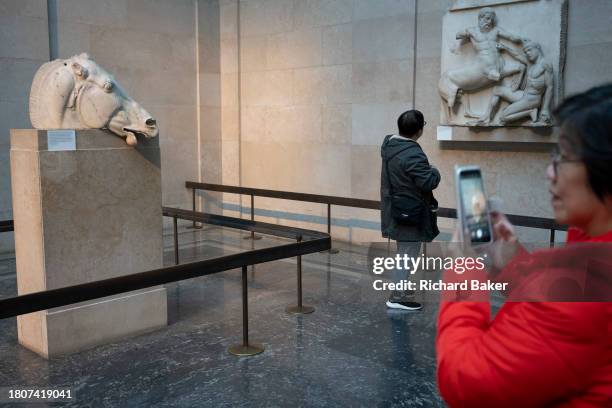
point(474, 203)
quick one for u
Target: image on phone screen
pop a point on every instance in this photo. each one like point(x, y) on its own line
point(474, 202)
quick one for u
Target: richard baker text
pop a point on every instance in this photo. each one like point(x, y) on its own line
point(439, 285)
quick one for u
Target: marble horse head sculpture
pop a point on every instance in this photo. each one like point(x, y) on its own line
point(77, 93)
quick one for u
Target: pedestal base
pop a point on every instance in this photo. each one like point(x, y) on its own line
point(73, 328)
point(254, 237)
point(85, 211)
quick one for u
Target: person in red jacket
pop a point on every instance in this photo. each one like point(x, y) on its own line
point(543, 354)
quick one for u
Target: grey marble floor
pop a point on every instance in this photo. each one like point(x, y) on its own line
point(350, 352)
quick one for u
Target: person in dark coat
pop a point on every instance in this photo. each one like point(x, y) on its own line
point(406, 170)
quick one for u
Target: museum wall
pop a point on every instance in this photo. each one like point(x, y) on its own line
point(150, 47)
point(322, 82)
point(230, 103)
point(315, 78)
point(24, 46)
point(209, 68)
point(210, 103)
point(282, 94)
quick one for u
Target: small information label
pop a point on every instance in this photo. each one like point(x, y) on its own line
point(58, 140)
point(445, 133)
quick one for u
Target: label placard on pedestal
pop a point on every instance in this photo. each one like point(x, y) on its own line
point(61, 140)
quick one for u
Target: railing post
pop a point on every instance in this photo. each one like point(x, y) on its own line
point(330, 250)
point(253, 236)
point(300, 308)
point(552, 237)
point(245, 348)
point(176, 247)
point(193, 206)
point(252, 214)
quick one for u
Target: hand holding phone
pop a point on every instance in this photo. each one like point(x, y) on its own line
point(472, 206)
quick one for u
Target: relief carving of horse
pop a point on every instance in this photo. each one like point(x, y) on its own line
point(76, 93)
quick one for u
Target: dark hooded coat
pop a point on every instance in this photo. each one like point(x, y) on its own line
point(410, 174)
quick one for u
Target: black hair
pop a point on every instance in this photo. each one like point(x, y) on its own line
point(410, 122)
point(587, 122)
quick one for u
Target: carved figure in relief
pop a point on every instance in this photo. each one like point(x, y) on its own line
point(536, 95)
point(77, 93)
point(489, 67)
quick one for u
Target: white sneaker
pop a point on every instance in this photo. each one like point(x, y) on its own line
point(403, 304)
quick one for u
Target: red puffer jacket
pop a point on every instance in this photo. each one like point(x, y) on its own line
point(532, 354)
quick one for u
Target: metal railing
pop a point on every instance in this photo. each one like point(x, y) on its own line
point(518, 220)
point(306, 242)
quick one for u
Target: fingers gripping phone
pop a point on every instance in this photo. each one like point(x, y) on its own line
point(472, 207)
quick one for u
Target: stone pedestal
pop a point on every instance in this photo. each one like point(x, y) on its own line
point(84, 215)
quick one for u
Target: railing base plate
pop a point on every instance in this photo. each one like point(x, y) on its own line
point(241, 350)
point(255, 237)
point(304, 309)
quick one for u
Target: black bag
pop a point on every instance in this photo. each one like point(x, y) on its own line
point(433, 208)
point(405, 208)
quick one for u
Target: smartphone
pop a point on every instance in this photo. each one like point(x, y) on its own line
point(472, 206)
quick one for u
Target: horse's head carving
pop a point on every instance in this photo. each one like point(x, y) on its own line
point(77, 93)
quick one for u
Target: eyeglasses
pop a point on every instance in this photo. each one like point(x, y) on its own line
point(556, 158)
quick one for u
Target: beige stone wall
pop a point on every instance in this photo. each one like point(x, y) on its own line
point(209, 102)
point(151, 48)
point(230, 101)
point(322, 82)
point(24, 46)
point(283, 94)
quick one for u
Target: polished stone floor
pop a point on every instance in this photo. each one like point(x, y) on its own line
point(350, 352)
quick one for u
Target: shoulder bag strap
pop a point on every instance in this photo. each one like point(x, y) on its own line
point(387, 168)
